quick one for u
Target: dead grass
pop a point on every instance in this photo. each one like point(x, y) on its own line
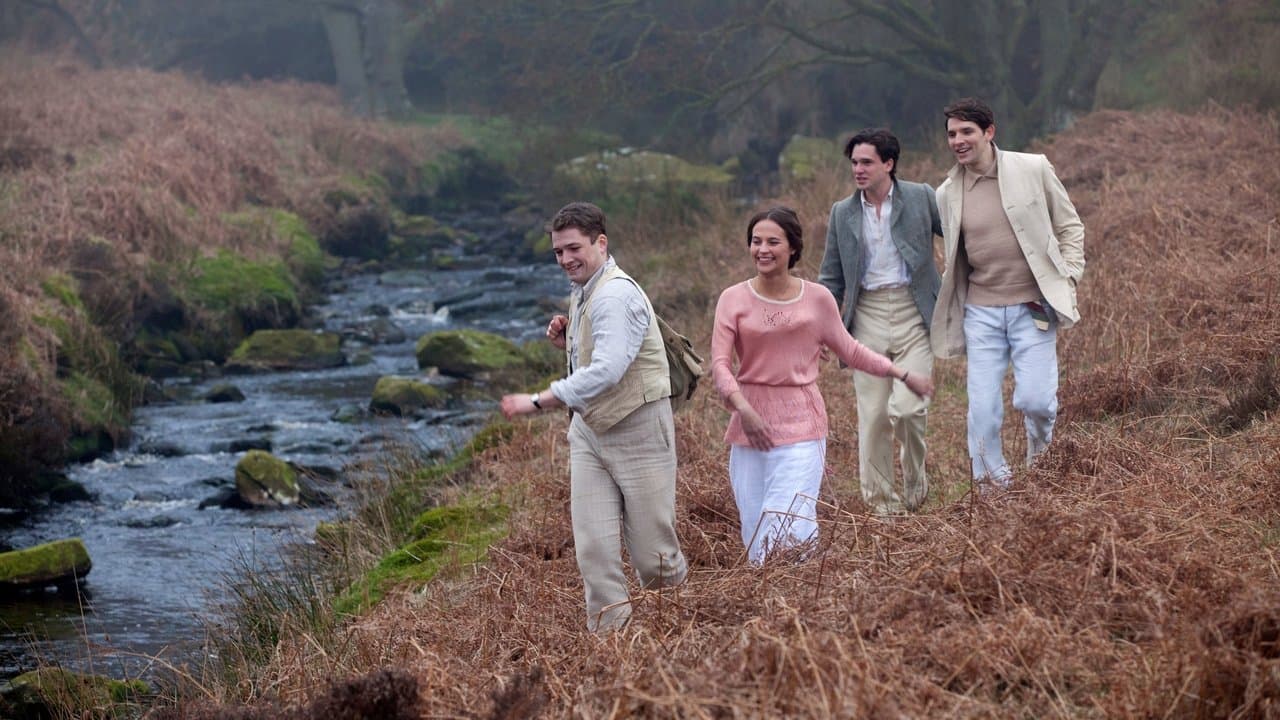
point(131, 171)
point(1131, 574)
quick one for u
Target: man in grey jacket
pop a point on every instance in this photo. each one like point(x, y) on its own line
point(879, 265)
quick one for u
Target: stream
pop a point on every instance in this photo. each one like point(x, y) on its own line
point(161, 564)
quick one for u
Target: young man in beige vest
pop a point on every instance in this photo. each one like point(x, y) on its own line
point(622, 437)
point(1014, 253)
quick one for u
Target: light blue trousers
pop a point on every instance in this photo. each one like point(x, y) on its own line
point(996, 337)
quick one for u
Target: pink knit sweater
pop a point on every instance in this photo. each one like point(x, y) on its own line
point(778, 344)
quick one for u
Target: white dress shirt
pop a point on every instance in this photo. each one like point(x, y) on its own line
point(885, 267)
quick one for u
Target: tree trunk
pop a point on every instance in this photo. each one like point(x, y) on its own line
point(387, 34)
point(346, 43)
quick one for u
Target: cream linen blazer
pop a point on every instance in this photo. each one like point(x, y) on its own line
point(1049, 232)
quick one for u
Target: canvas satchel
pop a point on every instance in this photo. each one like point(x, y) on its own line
point(685, 365)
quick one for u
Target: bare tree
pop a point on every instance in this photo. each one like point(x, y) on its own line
point(1036, 61)
point(370, 40)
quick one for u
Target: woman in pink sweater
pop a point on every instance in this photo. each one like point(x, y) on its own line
point(777, 324)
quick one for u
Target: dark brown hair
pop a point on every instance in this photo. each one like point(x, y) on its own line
point(790, 224)
point(971, 109)
point(885, 142)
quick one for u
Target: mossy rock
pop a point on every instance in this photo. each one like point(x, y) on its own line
point(802, 157)
point(52, 692)
point(404, 396)
point(264, 480)
point(544, 358)
point(467, 353)
point(255, 294)
point(57, 563)
point(287, 350)
point(407, 225)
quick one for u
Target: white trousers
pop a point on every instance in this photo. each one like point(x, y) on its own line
point(995, 337)
point(776, 492)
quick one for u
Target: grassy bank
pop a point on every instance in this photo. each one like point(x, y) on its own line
point(151, 220)
point(1132, 573)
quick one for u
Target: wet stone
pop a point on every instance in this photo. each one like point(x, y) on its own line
point(224, 394)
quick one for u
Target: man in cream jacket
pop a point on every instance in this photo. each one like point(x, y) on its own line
point(1014, 248)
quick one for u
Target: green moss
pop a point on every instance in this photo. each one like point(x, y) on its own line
point(42, 564)
point(467, 353)
point(287, 349)
point(303, 254)
point(333, 534)
point(230, 282)
point(52, 691)
point(445, 537)
point(401, 396)
point(448, 518)
point(264, 479)
point(63, 289)
point(620, 169)
point(497, 138)
point(100, 389)
point(495, 434)
point(150, 344)
point(93, 404)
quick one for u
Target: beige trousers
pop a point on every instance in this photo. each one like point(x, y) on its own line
point(888, 322)
point(623, 489)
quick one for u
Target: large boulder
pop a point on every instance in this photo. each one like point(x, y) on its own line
point(61, 562)
point(264, 480)
point(50, 690)
point(405, 396)
point(468, 353)
point(287, 350)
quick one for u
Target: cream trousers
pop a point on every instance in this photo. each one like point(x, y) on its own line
point(888, 322)
point(623, 489)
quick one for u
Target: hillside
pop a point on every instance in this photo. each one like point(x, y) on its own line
point(1132, 573)
point(150, 221)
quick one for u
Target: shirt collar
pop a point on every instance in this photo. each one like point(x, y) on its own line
point(584, 290)
point(971, 178)
point(887, 198)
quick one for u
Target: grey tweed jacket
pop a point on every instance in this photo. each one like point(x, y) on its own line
point(912, 224)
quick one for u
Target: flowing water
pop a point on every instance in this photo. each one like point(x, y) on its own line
point(160, 562)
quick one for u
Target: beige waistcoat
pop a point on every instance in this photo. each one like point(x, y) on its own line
point(648, 377)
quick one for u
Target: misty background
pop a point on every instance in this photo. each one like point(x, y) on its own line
point(705, 79)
